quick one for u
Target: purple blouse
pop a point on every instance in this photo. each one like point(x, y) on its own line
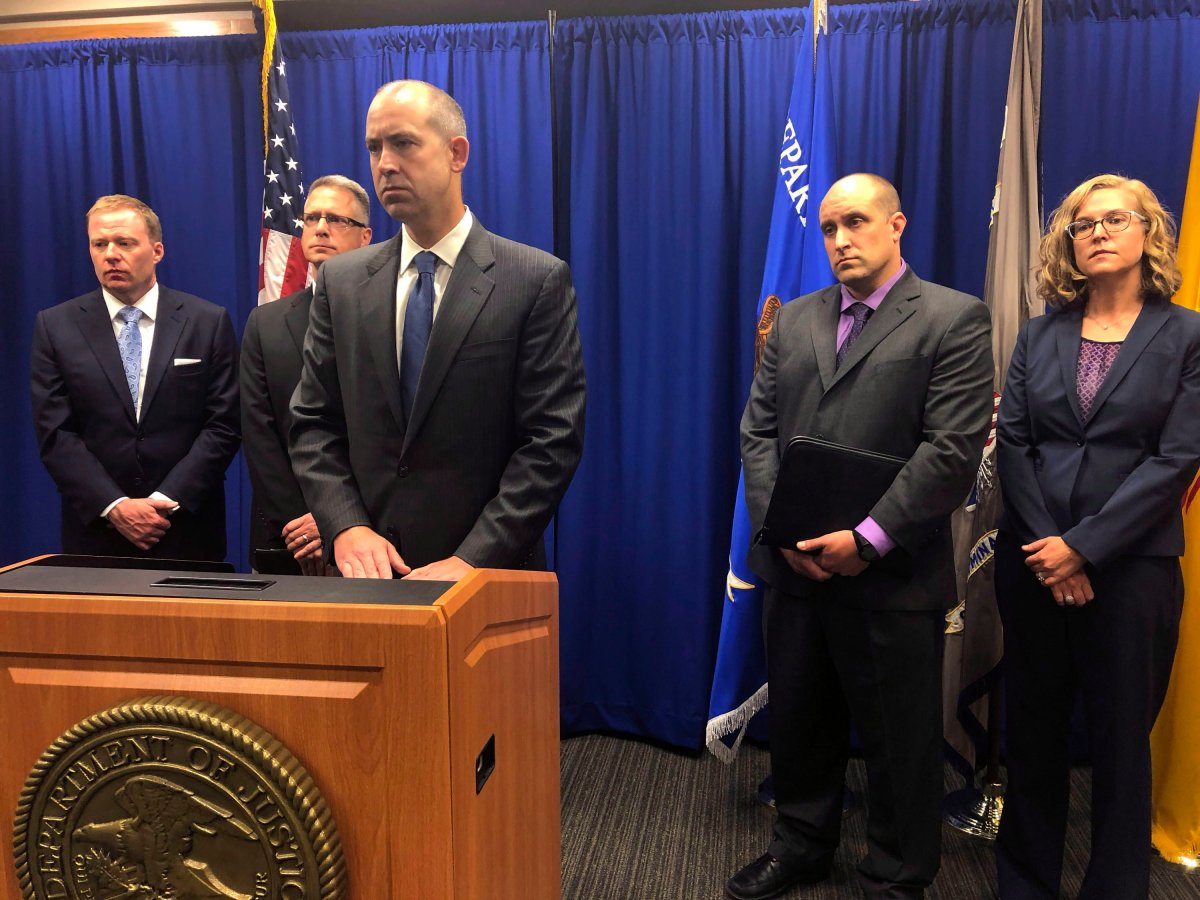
point(1095, 359)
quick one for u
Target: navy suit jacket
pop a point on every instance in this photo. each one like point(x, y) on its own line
point(96, 450)
point(1110, 484)
point(496, 429)
point(270, 371)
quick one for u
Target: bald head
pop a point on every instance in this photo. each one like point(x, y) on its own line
point(869, 185)
point(861, 223)
point(445, 115)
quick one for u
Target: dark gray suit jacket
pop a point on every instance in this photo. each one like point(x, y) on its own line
point(917, 384)
point(1109, 484)
point(497, 423)
point(270, 371)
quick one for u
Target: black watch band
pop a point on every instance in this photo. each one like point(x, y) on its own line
point(866, 550)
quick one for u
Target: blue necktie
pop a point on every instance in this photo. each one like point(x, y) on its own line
point(861, 312)
point(418, 323)
point(129, 341)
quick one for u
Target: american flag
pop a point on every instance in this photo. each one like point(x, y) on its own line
point(281, 266)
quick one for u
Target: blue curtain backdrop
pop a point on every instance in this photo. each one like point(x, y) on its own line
point(668, 140)
point(175, 122)
point(1119, 88)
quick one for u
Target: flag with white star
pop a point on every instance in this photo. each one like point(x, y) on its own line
point(282, 269)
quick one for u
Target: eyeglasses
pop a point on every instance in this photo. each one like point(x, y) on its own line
point(1116, 221)
point(341, 223)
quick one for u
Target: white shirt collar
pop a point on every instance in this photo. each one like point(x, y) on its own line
point(147, 303)
point(446, 250)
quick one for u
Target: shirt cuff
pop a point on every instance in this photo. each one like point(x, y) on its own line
point(876, 536)
point(159, 495)
point(111, 506)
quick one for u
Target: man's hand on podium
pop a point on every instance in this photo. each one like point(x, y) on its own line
point(450, 569)
point(360, 552)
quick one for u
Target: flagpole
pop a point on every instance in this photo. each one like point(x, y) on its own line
point(1010, 294)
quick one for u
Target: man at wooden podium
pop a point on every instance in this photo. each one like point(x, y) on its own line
point(439, 416)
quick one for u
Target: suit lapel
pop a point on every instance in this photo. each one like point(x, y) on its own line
point(97, 330)
point(896, 307)
point(824, 333)
point(297, 317)
point(1152, 317)
point(466, 292)
point(1067, 338)
point(167, 329)
point(377, 297)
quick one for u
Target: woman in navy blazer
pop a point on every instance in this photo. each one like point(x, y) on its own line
point(1098, 437)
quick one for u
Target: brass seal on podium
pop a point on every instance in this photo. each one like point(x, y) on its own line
point(170, 798)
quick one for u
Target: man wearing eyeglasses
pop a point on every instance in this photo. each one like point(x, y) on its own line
point(439, 417)
point(335, 220)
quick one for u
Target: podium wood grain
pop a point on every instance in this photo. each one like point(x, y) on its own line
point(387, 707)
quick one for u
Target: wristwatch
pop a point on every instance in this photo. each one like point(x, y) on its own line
point(866, 552)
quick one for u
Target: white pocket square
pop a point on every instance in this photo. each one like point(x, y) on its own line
point(187, 362)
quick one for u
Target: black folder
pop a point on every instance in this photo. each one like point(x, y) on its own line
point(824, 487)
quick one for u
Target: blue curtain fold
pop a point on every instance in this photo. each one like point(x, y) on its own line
point(1119, 88)
point(668, 140)
point(668, 127)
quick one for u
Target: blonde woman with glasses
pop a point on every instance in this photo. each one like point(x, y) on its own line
point(1098, 438)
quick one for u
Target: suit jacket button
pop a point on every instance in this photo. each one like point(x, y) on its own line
point(402, 471)
point(391, 531)
point(1079, 443)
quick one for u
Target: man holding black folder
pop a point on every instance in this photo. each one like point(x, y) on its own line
point(897, 367)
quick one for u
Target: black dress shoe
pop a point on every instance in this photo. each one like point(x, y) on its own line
point(768, 877)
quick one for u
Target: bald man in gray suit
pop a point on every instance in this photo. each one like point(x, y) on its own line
point(439, 417)
point(889, 363)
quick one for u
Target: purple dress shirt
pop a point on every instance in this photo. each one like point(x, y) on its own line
point(868, 527)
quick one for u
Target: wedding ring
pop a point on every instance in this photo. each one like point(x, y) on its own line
point(304, 538)
point(1070, 601)
point(1041, 578)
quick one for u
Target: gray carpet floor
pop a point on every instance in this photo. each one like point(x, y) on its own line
point(643, 823)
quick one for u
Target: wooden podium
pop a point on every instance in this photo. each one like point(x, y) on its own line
point(388, 693)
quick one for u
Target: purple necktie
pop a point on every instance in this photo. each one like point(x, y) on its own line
point(861, 312)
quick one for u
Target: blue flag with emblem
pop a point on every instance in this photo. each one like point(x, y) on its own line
point(796, 264)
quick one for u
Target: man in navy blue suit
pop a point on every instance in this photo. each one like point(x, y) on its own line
point(135, 401)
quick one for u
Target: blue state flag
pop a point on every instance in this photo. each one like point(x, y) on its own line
point(796, 264)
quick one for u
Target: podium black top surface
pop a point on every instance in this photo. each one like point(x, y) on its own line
point(56, 575)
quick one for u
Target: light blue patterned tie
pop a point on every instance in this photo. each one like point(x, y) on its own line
point(130, 343)
point(418, 323)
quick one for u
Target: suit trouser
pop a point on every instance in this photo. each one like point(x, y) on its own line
point(828, 664)
point(1116, 651)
